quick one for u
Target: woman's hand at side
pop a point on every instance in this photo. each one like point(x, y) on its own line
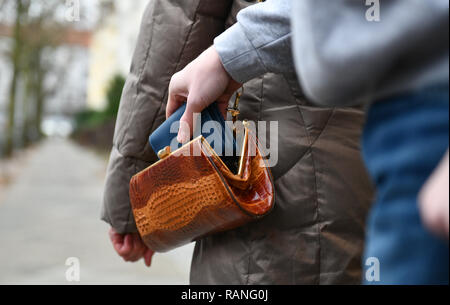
point(130, 247)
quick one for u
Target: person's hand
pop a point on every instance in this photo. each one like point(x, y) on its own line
point(200, 83)
point(130, 247)
point(434, 200)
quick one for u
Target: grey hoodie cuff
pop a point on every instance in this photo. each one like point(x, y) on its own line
point(239, 57)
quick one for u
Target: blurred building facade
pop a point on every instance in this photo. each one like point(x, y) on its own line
point(66, 81)
point(112, 47)
point(95, 48)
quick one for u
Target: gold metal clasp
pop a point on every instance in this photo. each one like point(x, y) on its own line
point(163, 153)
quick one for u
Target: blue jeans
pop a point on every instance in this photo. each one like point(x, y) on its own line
point(403, 141)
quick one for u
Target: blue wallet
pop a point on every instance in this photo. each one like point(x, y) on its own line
point(166, 134)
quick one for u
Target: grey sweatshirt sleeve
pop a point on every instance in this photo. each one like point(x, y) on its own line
point(259, 42)
point(342, 58)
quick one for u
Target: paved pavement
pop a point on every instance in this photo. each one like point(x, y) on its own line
point(50, 212)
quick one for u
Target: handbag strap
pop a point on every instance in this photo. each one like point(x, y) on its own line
point(234, 111)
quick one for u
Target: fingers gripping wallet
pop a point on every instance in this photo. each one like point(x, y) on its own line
point(195, 190)
point(165, 135)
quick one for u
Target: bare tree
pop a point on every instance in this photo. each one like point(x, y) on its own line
point(16, 56)
point(43, 34)
point(33, 37)
point(37, 30)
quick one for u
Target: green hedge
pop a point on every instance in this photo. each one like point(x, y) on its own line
point(92, 118)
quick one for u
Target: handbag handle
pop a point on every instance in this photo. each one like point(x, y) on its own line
point(234, 111)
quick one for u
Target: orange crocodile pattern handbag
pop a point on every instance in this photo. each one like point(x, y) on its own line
point(186, 196)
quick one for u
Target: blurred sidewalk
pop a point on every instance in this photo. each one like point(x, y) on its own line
point(50, 212)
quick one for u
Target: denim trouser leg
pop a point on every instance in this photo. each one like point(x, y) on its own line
point(403, 141)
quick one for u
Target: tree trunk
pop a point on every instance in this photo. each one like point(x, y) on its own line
point(26, 108)
point(16, 57)
point(40, 73)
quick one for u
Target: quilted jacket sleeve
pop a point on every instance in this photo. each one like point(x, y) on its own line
point(173, 33)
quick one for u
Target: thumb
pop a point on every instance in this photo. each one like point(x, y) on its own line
point(148, 257)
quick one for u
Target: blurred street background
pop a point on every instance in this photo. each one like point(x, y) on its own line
point(62, 69)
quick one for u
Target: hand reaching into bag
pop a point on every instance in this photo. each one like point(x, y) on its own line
point(130, 247)
point(200, 83)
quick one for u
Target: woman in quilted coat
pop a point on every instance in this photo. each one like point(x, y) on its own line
point(315, 233)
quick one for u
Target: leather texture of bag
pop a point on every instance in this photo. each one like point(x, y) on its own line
point(191, 193)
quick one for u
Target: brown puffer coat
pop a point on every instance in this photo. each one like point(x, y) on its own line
point(315, 233)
